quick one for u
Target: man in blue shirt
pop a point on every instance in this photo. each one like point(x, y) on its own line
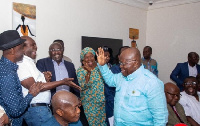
point(148, 62)
point(65, 108)
point(11, 97)
point(139, 97)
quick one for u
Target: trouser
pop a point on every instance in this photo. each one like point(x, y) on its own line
point(37, 115)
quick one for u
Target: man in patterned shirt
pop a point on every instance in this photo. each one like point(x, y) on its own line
point(11, 98)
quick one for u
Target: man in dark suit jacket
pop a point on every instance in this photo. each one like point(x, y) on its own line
point(175, 110)
point(54, 61)
point(182, 70)
point(46, 64)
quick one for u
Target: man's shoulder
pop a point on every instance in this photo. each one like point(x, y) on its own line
point(51, 122)
point(153, 61)
point(182, 64)
point(44, 59)
point(68, 63)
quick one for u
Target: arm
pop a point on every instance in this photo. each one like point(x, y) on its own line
point(81, 73)
point(13, 101)
point(157, 102)
point(27, 83)
point(175, 73)
point(192, 121)
point(108, 76)
point(156, 70)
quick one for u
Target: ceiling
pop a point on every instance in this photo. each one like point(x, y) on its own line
point(154, 4)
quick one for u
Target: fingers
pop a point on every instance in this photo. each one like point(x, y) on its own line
point(68, 79)
point(72, 84)
point(36, 88)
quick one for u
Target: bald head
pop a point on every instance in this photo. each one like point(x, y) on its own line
point(62, 98)
point(130, 61)
point(131, 52)
point(172, 93)
point(170, 86)
point(65, 107)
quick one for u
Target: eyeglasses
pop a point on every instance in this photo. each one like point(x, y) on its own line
point(54, 50)
point(126, 63)
point(190, 83)
point(173, 95)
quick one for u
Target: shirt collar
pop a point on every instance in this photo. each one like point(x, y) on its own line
point(135, 73)
point(62, 62)
point(10, 64)
point(28, 58)
point(191, 66)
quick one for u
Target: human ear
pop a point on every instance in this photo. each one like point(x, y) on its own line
point(59, 112)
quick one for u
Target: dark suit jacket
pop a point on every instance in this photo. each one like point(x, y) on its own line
point(46, 64)
point(173, 119)
point(180, 72)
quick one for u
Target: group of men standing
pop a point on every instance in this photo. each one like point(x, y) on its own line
point(140, 97)
point(23, 86)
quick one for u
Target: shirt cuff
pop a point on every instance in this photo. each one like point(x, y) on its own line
point(103, 68)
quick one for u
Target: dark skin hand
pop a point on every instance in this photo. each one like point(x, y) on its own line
point(35, 88)
point(100, 57)
point(47, 76)
point(4, 120)
point(89, 69)
point(192, 121)
point(27, 83)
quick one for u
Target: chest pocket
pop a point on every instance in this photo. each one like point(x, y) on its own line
point(136, 99)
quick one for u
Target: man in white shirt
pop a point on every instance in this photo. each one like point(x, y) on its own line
point(38, 112)
point(190, 101)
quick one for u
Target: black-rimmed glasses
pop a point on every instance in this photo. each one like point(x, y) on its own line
point(54, 50)
point(126, 63)
point(190, 83)
point(173, 95)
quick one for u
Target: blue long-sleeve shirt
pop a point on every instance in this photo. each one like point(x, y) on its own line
point(11, 97)
point(139, 98)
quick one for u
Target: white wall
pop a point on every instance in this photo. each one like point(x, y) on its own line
point(173, 32)
point(70, 19)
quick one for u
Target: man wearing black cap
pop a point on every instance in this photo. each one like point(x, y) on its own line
point(11, 98)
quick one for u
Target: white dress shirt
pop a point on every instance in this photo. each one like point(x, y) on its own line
point(191, 106)
point(192, 70)
point(27, 69)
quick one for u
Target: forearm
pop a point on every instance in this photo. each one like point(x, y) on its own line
point(18, 106)
point(192, 121)
point(108, 76)
point(51, 85)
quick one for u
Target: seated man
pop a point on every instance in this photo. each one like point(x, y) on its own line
point(65, 108)
point(190, 101)
point(175, 110)
point(186, 69)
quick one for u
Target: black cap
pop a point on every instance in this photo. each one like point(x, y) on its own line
point(10, 39)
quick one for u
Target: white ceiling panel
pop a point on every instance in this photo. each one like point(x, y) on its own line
point(154, 4)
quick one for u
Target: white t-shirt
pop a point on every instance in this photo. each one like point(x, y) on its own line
point(27, 69)
point(191, 106)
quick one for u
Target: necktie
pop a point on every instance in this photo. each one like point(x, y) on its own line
point(177, 114)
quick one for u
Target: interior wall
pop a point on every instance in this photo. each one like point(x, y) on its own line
point(173, 32)
point(70, 19)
